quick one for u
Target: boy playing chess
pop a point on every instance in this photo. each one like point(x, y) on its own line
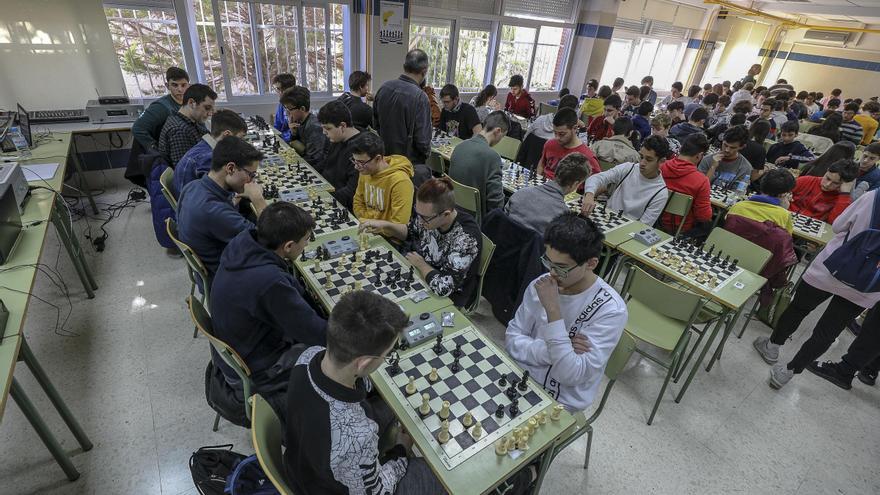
point(332, 436)
point(570, 320)
point(385, 188)
point(824, 198)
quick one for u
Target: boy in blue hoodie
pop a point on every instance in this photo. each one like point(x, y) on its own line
point(788, 152)
point(258, 307)
point(281, 83)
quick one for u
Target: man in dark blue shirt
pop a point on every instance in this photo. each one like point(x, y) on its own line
point(197, 161)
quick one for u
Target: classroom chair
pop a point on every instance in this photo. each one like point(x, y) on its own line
point(508, 147)
point(194, 266)
point(436, 163)
point(468, 198)
point(661, 315)
point(266, 435)
point(679, 204)
point(806, 125)
point(485, 257)
point(546, 108)
point(166, 179)
point(203, 323)
point(606, 165)
point(816, 144)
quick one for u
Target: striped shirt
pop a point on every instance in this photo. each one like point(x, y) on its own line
point(852, 131)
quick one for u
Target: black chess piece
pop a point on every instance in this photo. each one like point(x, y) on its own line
point(733, 265)
point(725, 262)
point(457, 352)
point(438, 345)
point(302, 257)
point(514, 408)
point(394, 362)
point(312, 236)
point(455, 366)
point(524, 383)
point(499, 411)
point(389, 257)
point(502, 382)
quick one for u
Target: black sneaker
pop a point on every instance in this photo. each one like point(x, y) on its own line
point(831, 372)
point(868, 377)
point(854, 327)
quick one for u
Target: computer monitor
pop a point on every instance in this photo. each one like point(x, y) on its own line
point(24, 123)
point(10, 222)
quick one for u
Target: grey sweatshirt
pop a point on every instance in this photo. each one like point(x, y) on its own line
point(536, 206)
point(639, 197)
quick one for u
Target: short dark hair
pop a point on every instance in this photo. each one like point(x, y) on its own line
point(759, 130)
point(872, 148)
point(574, 235)
point(450, 90)
point(769, 102)
point(604, 92)
point(781, 81)
point(736, 134)
point(644, 91)
point(363, 324)
point(593, 83)
point(724, 100)
point(497, 120)
point(227, 120)
point(791, 126)
point(833, 102)
point(564, 91)
point(707, 87)
point(645, 108)
point(235, 150)
point(175, 73)
point(369, 144)
point(737, 119)
point(516, 80)
point(439, 192)
point(848, 169)
point(871, 106)
point(802, 95)
point(657, 144)
point(694, 144)
point(710, 99)
point(742, 106)
point(285, 80)
point(571, 169)
point(699, 115)
point(567, 117)
point(623, 126)
point(335, 113)
point(358, 79)
point(675, 105)
point(836, 92)
point(416, 61)
point(678, 85)
point(198, 92)
point(693, 91)
point(777, 182)
point(297, 97)
point(748, 86)
point(851, 107)
point(613, 101)
point(648, 80)
point(283, 222)
point(618, 81)
point(633, 91)
point(568, 101)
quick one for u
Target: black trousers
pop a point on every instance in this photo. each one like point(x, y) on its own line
point(864, 352)
point(838, 313)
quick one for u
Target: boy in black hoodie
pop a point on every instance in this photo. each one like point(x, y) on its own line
point(258, 306)
point(336, 120)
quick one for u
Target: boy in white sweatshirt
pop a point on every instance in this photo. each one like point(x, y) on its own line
point(640, 190)
point(570, 320)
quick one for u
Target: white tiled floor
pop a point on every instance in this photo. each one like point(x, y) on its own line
point(134, 378)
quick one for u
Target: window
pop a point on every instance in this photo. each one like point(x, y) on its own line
point(235, 21)
point(209, 47)
point(549, 58)
point(147, 42)
point(277, 41)
point(634, 58)
point(711, 75)
point(470, 63)
point(617, 60)
point(432, 36)
point(514, 53)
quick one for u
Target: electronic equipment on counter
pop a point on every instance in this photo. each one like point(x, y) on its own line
point(58, 116)
point(113, 113)
point(11, 175)
point(24, 125)
point(10, 223)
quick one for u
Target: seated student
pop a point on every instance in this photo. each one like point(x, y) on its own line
point(824, 198)
point(693, 125)
point(474, 163)
point(359, 87)
point(336, 121)
point(281, 83)
point(674, 95)
point(593, 106)
point(869, 174)
point(772, 203)
point(485, 103)
point(641, 193)
point(729, 166)
point(457, 118)
point(601, 128)
point(562, 92)
point(543, 125)
point(843, 150)
point(778, 115)
point(651, 97)
point(444, 241)
point(304, 126)
point(183, 129)
point(787, 152)
point(868, 119)
point(830, 107)
point(332, 437)
point(850, 129)
point(710, 103)
point(641, 119)
point(754, 151)
point(197, 161)
point(207, 213)
point(692, 95)
point(632, 102)
point(570, 320)
point(681, 175)
point(660, 125)
point(536, 206)
point(385, 187)
point(743, 94)
point(258, 307)
point(829, 128)
point(619, 148)
point(566, 142)
point(519, 101)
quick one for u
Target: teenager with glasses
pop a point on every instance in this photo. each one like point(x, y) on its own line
point(570, 320)
point(207, 212)
point(443, 242)
point(385, 188)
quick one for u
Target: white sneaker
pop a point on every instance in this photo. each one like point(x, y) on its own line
point(768, 350)
point(780, 375)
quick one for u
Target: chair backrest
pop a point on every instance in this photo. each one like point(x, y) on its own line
point(435, 163)
point(816, 144)
point(508, 147)
point(266, 435)
point(606, 165)
point(202, 320)
point(166, 180)
point(486, 253)
point(751, 256)
point(468, 198)
point(670, 301)
point(767, 144)
point(545, 108)
point(806, 125)
point(679, 204)
point(192, 259)
point(620, 356)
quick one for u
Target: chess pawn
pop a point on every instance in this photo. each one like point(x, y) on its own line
point(425, 408)
point(328, 284)
point(444, 410)
point(432, 377)
point(542, 417)
point(516, 433)
point(467, 420)
point(443, 437)
point(522, 443)
point(557, 410)
point(477, 430)
point(533, 426)
point(411, 386)
point(501, 447)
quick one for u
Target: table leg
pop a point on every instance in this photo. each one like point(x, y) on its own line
point(75, 254)
point(43, 379)
point(30, 412)
point(702, 355)
point(543, 467)
point(83, 183)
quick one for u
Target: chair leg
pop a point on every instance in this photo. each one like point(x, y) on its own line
point(216, 422)
point(728, 329)
point(589, 446)
point(749, 318)
point(683, 364)
point(673, 366)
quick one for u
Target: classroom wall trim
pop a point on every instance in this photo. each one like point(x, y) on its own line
point(846, 63)
point(594, 31)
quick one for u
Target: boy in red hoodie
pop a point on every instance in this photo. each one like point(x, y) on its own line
point(681, 175)
point(601, 128)
point(824, 198)
point(519, 101)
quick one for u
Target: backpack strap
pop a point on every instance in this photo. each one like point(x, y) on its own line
point(875, 212)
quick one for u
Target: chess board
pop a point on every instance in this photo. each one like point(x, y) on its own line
point(338, 276)
point(808, 225)
point(724, 196)
point(694, 263)
point(606, 219)
point(289, 177)
point(329, 215)
point(516, 177)
point(474, 388)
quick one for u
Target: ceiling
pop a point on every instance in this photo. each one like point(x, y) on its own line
point(861, 11)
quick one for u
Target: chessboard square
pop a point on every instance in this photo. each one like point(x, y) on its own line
point(493, 374)
point(464, 439)
point(457, 409)
point(441, 387)
point(449, 396)
point(472, 386)
point(417, 359)
point(484, 366)
point(493, 360)
point(334, 292)
point(432, 394)
point(455, 426)
point(531, 397)
point(492, 390)
point(437, 362)
point(432, 422)
point(469, 403)
point(459, 339)
point(481, 396)
point(452, 449)
point(474, 370)
point(489, 424)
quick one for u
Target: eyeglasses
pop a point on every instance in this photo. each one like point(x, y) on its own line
point(561, 271)
point(360, 163)
point(251, 175)
point(427, 220)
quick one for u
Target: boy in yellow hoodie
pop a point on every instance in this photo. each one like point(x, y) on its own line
point(385, 187)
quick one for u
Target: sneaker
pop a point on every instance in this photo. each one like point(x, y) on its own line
point(780, 375)
point(768, 350)
point(831, 372)
point(854, 327)
point(868, 377)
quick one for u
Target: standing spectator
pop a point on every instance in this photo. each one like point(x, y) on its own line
point(358, 90)
point(432, 101)
point(754, 70)
point(519, 101)
point(457, 117)
point(304, 126)
point(147, 127)
point(566, 142)
point(474, 163)
point(281, 83)
point(402, 112)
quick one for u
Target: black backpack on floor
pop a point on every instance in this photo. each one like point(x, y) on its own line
point(211, 465)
